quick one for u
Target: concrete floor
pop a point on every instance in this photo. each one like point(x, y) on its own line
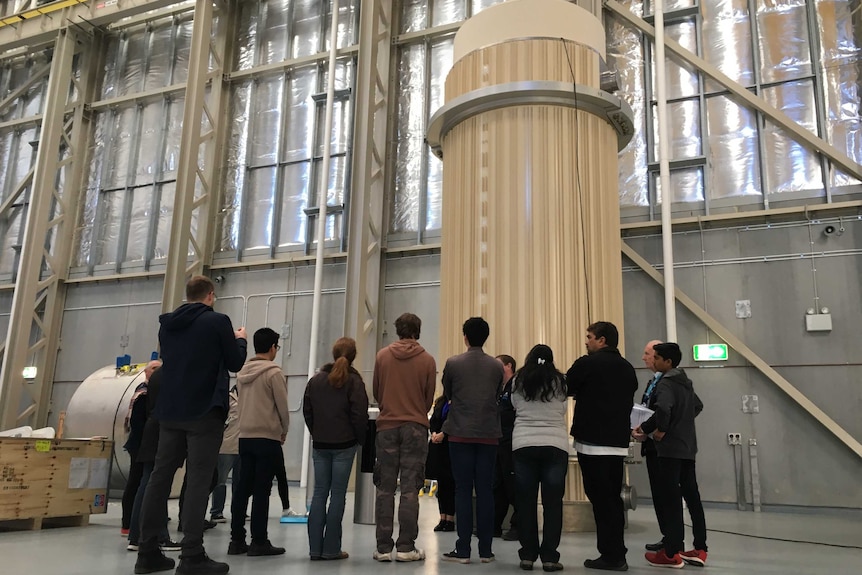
point(99, 549)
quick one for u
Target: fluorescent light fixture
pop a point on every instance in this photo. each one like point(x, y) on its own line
point(30, 372)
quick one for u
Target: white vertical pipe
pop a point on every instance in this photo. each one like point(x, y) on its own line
point(321, 231)
point(664, 174)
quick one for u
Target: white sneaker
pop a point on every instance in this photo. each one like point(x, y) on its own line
point(131, 547)
point(378, 556)
point(415, 555)
point(292, 513)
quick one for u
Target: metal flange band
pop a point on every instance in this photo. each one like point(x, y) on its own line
point(610, 108)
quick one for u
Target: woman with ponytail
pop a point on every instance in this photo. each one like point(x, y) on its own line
point(335, 407)
point(540, 452)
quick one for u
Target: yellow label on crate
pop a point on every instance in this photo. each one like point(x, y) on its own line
point(43, 445)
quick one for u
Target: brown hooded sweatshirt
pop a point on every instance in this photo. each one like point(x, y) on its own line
point(263, 411)
point(404, 383)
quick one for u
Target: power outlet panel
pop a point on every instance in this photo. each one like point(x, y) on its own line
point(734, 439)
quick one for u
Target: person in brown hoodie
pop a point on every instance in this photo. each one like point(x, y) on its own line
point(404, 383)
point(263, 420)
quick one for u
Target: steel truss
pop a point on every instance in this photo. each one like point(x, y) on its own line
point(33, 335)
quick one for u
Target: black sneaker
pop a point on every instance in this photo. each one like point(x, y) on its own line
point(604, 565)
point(264, 548)
point(237, 548)
point(209, 525)
point(170, 546)
point(153, 562)
point(654, 546)
point(218, 518)
point(455, 558)
point(510, 535)
point(201, 565)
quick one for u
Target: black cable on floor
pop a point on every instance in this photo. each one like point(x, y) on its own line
point(782, 540)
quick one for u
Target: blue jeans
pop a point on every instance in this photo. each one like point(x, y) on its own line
point(535, 466)
point(331, 473)
point(473, 468)
point(227, 463)
point(135, 520)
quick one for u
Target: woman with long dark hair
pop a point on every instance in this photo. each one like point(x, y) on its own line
point(540, 450)
point(335, 407)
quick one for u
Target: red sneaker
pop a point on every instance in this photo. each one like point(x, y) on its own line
point(660, 559)
point(124, 532)
point(694, 557)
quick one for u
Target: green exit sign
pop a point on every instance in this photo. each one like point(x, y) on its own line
point(710, 352)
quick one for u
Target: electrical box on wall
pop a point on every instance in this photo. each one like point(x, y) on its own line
point(818, 322)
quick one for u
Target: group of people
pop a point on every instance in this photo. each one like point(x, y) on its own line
point(492, 423)
point(497, 431)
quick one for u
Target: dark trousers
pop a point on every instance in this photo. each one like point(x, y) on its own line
point(281, 478)
point(212, 487)
point(504, 487)
point(197, 442)
point(446, 490)
point(259, 458)
point(135, 523)
point(545, 466)
point(228, 464)
point(654, 485)
point(136, 470)
point(473, 468)
point(678, 480)
point(603, 483)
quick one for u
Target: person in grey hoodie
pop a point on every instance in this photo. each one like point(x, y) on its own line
point(672, 427)
point(263, 421)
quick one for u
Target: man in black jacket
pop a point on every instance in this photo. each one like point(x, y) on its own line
point(672, 427)
point(603, 384)
point(198, 348)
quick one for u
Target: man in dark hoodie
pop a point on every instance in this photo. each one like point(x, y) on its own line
point(199, 347)
point(404, 382)
point(672, 427)
point(603, 384)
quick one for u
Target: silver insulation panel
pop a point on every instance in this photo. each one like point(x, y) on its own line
point(271, 165)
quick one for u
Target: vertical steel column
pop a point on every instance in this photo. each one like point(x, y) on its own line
point(221, 52)
point(188, 252)
point(365, 218)
point(37, 303)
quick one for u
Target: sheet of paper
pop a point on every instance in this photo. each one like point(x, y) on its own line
point(640, 414)
point(98, 474)
point(79, 471)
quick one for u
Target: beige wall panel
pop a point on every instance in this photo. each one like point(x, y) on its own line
point(531, 236)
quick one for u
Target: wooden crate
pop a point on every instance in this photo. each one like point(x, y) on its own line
point(52, 480)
